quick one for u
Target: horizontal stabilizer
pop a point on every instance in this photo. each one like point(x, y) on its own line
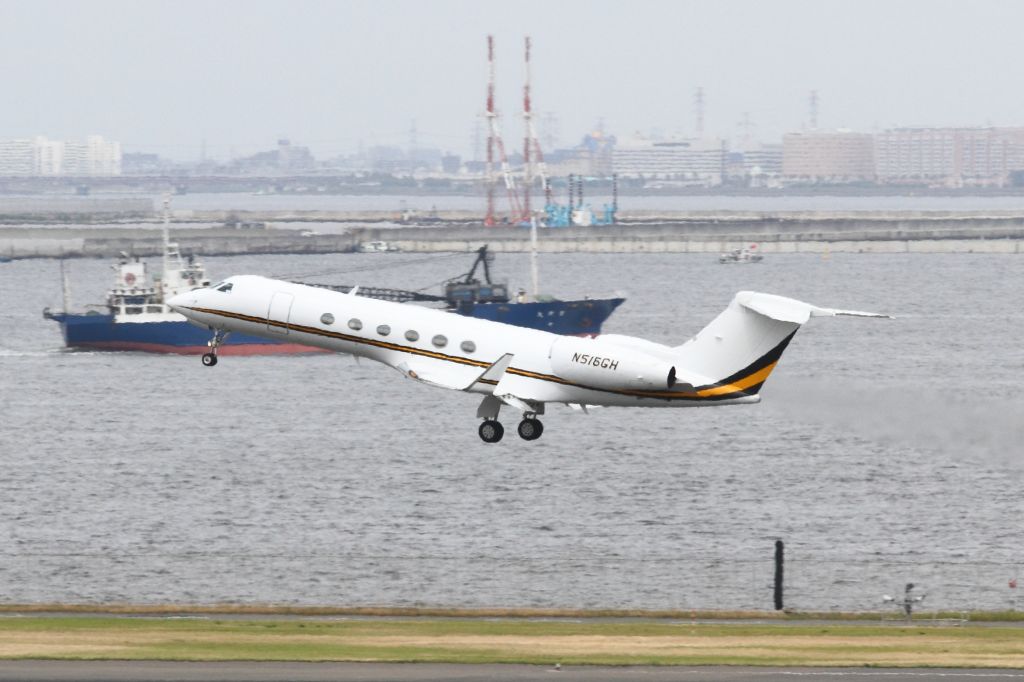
point(789, 309)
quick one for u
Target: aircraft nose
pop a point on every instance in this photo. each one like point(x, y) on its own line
point(180, 301)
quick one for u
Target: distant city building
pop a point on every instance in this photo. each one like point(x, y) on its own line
point(450, 163)
point(94, 157)
point(765, 159)
point(387, 159)
point(41, 156)
point(697, 161)
point(140, 163)
point(17, 157)
point(951, 156)
point(286, 159)
point(829, 156)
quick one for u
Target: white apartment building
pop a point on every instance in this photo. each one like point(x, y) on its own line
point(953, 156)
point(698, 160)
point(41, 156)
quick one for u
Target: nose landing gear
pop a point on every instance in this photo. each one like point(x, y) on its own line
point(210, 359)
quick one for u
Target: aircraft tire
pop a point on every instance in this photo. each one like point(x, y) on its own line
point(491, 431)
point(209, 359)
point(530, 429)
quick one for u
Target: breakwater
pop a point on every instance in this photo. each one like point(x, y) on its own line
point(336, 232)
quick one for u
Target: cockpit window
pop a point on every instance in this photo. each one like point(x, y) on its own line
point(225, 287)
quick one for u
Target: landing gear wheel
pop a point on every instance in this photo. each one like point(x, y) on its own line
point(491, 431)
point(209, 359)
point(530, 429)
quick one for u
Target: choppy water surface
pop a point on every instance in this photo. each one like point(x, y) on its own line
point(885, 452)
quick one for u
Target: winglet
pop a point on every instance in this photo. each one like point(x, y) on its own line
point(492, 375)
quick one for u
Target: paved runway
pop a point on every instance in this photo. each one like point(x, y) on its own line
point(163, 671)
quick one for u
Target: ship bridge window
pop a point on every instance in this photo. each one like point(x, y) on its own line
point(225, 287)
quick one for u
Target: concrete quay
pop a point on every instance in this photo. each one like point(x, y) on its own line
point(773, 234)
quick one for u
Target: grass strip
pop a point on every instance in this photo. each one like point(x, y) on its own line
point(509, 641)
point(495, 612)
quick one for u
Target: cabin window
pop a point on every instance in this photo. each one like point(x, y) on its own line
point(383, 330)
point(440, 341)
point(355, 324)
point(468, 346)
point(327, 318)
point(412, 335)
point(225, 288)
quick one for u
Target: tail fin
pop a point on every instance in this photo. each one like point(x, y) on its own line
point(741, 347)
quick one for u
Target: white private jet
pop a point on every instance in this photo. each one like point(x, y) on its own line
point(726, 363)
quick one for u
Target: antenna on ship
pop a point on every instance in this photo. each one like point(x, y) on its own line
point(65, 287)
point(167, 245)
point(534, 276)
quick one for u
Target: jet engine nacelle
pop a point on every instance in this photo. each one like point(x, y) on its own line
point(590, 362)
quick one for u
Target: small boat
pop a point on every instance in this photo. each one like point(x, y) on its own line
point(376, 247)
point(744, 255)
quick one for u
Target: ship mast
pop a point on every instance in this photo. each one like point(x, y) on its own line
point(167, 247)
point(65, 287)
point(534, 275)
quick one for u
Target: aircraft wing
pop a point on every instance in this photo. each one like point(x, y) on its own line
point(454, 377)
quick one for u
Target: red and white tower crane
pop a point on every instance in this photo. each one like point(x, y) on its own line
point(494, 141)
point(531, 147)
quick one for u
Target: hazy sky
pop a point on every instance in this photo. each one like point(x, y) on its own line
point(164, 76)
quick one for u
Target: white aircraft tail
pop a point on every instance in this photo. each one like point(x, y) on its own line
point(741, 347)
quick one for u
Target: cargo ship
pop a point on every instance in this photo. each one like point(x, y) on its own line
point(135, 316)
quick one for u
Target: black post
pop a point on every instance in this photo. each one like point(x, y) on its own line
point(778, 574)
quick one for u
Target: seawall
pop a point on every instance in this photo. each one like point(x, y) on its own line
point(776, 233)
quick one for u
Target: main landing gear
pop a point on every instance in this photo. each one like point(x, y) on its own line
point(530, 428)
point(210, 359)
point(491, 430)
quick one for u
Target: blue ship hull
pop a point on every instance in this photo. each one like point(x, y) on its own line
point(99, 331)
point(571, 318)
